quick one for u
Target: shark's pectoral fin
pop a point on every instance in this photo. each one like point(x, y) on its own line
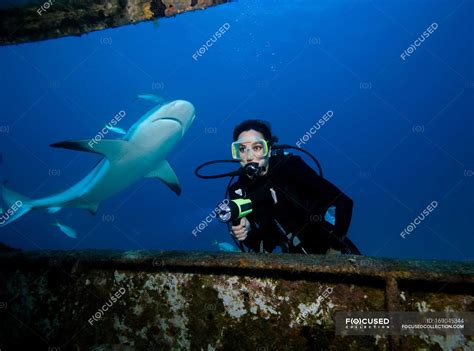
point(165, 173)
point(53, 209)
point(112, 149)
point(91, 207)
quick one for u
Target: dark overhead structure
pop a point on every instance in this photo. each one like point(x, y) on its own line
point(48, 19)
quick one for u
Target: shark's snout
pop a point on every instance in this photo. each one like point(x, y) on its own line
point(185, 108)
point(183, 111)
point(180, 111)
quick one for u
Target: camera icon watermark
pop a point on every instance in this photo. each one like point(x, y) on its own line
point(158, 262)
point(210, 307)
point(365, 85)
point(314, 41)
point(315, 218)
point(106, 41)
point(157, 85)
point(210, 130)
point(54, 172)
point(108, 218)
point(418, 129)
point(365, 174)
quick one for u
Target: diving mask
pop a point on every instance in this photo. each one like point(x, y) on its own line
point(242, 147)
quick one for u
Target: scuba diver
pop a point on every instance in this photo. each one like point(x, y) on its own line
point(279, 203)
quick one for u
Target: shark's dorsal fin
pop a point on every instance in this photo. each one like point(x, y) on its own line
point(151, 97)
point(165, 173)
point(113, 149)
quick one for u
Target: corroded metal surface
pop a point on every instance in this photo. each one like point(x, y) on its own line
point(101, 300)
point(47, 19)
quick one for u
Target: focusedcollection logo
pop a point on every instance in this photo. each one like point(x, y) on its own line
point(370, 323)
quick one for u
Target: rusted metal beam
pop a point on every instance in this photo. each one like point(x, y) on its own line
point(223, 301)
point(47, 19)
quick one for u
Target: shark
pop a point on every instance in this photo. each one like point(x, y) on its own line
point(140, 153)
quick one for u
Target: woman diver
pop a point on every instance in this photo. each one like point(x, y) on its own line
point(278, 201)
point(289, 200)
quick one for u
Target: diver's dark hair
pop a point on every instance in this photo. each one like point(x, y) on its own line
point(259, 125)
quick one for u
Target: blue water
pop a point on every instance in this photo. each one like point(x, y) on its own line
point(401, 137)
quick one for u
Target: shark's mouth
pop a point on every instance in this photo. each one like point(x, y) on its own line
point(169, 119)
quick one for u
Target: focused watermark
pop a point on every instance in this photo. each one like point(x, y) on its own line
point(313, 130)
point(418, 41)
point(103, 132)
point(204, 223)
point(314, 306)
point(45, 7)
point(101, 311)
point(404, 323)
point(417, 221)
point(10, 211)
point(211, 41)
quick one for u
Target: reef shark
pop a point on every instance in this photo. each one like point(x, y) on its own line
point(140, 153)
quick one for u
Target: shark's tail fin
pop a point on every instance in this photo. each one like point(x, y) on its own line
point(16, 205)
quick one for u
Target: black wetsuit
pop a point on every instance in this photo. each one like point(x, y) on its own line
point(289, 204)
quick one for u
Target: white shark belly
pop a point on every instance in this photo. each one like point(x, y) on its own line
point(113, 179)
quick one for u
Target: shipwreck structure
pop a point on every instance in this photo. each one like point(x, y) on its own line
point(143, 300)
point(106, 300)
point(47, 19)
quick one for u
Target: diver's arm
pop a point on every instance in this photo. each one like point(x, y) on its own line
point(308, 180)
point(249, 241)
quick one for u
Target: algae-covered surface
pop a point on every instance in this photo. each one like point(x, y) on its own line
point(98, 300)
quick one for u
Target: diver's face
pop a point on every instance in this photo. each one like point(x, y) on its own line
point(251, 151)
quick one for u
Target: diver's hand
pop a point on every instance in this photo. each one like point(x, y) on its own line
point(240, 231)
